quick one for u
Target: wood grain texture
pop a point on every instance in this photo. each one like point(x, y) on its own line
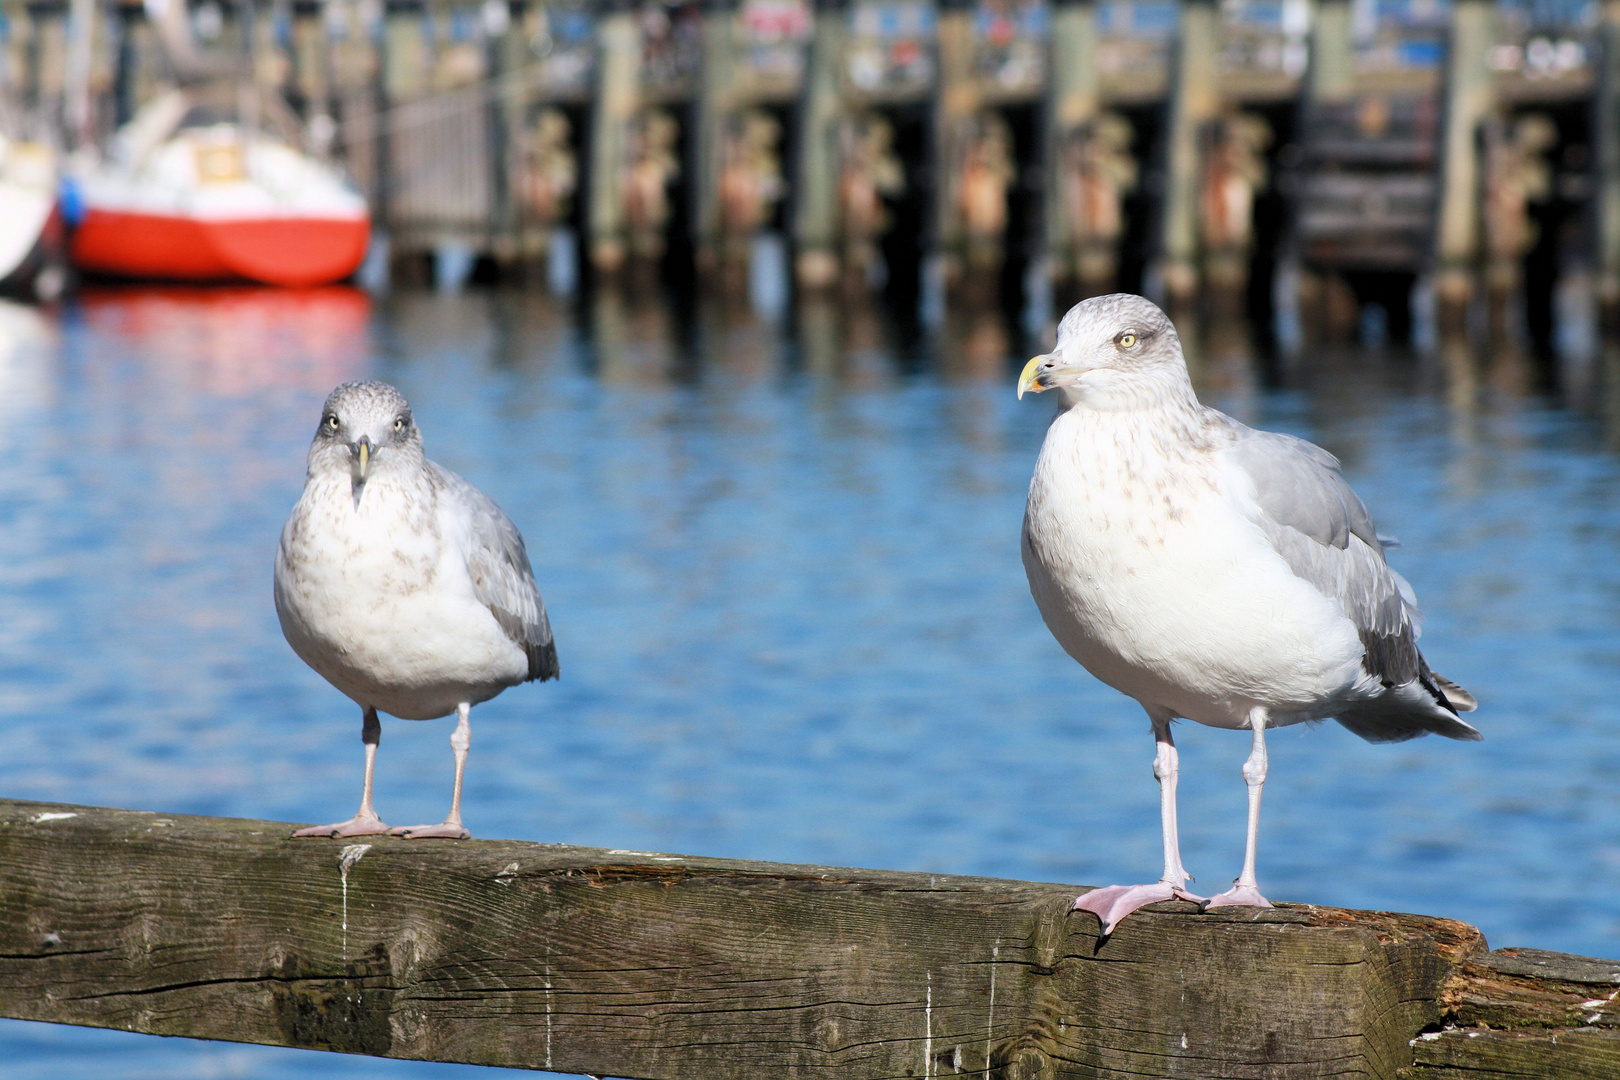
point(1520, 1055)
point(1526, 1014)
point(642, 964)
point(1533, 988)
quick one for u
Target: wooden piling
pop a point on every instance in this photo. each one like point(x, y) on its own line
point(1194, 101)
point(642, 964)
point(1330, 78)
point(1606, 167)
point(311, 51)
point(404, 58)
point(956, 99)
point(617, 97)
point(715, 106)
point(355, 64)
point(509, 68)
point(50, 61)
point(815, 189)
point(1469, 99)
point(1329, 81)
point(403, 65)
point(78, 108)
point(1073, 96)
point(126, 65)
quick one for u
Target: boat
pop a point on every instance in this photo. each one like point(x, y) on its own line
point(30, 225)
point(187, 195)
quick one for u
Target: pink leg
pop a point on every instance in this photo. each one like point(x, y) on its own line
point(365, 822)
point(1245, 892)
point(1113, 902)
point(451, 829)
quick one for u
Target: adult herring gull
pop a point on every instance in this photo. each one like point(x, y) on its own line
point(1210, 571)
point(406, 587)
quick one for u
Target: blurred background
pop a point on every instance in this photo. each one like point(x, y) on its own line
point(723, 303)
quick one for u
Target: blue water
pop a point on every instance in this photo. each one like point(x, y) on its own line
point(784, 575)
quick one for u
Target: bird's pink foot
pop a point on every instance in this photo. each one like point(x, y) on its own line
point(355, 826)
point(1113, 902)
point(1238, 896)
point(446, 831)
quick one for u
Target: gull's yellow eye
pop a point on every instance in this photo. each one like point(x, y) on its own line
point(1127, 340)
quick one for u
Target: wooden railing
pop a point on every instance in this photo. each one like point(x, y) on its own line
point(640, 964)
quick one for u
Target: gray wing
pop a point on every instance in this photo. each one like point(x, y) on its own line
point(1298, 484)
point(1325, 534)
point(499, 566)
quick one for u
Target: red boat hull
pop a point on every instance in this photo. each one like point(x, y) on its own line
point(274, 251)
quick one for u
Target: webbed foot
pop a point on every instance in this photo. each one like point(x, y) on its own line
point(1112, 903)
point(1238, 896)
point(447, 831)
point(356, 826)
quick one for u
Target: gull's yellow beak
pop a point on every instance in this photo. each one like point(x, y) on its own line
point(365, 457)
point(1029, 380)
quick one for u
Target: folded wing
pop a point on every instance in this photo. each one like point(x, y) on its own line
point(1324, 533)
point(502, 579)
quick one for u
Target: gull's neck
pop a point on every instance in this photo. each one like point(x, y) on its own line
point(383, 487)
point(1144, 429)
point(1163, 410)
point(1161, 392)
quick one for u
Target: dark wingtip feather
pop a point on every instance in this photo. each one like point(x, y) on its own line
point(1459, 699)
point(1453, 728)
point(542, 661)
point(1452, 698)
point(1389, 728)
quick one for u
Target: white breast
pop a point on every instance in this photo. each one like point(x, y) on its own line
point(377, 598)
point(1148, 574)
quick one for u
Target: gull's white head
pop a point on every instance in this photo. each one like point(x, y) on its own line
point(1113, 352)
point(366, 429)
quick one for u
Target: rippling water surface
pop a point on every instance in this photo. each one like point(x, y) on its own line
point(783, 568)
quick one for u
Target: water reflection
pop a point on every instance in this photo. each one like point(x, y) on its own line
point(235, 341)
point(28, 342)
point(633, 338)
point(976, 344)
point(783, 565)
point(1222, 361)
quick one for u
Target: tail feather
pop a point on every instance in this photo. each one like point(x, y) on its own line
point(1413, 709)
point(1459, 699)
point(542, 660)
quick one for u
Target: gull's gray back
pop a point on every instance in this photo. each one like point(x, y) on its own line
point(499, 567)
point(1322, 529)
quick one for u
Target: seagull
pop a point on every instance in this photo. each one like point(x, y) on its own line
point(1211, 571)
point(404, 586)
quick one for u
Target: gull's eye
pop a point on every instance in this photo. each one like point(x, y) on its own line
point(399, 424)
point(1127, 340)
point(331, 422)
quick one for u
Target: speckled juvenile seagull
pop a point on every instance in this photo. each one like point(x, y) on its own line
point(1210, 571)
point(404, 585)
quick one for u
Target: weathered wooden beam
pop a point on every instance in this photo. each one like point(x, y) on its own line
point(639, 964)
point(1525, 1013)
